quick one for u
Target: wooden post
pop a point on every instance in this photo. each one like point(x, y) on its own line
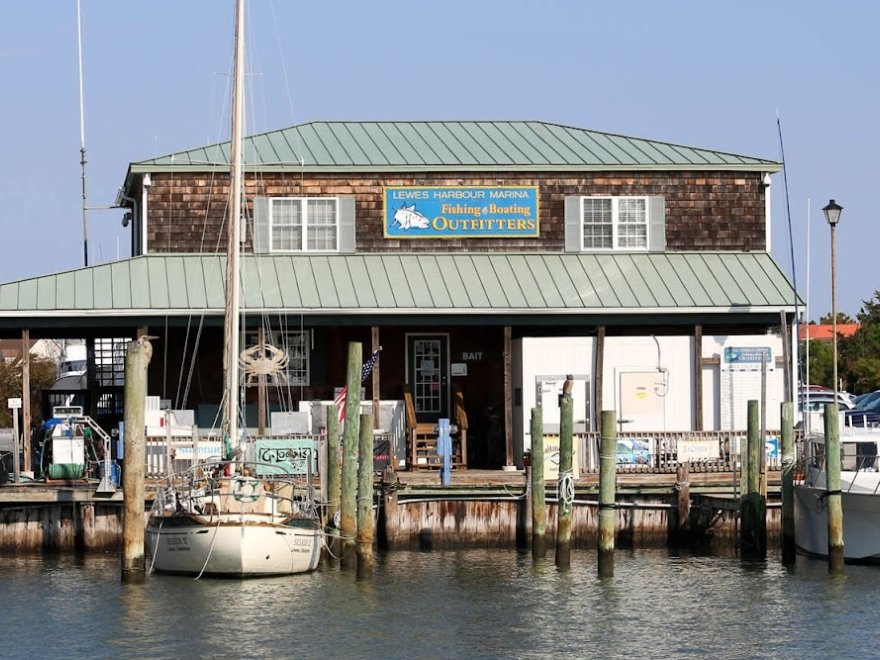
point(832, 489)
point(539, 500)
point(607, 492)
point(348, 503)
point(333, 474)
point(508, 399)
point(565, 490)
point(683, 486)
point(26, 398)
point(374, 333)
point(698, 377)
point(365, 528)
point(597, 374)
point(137, 358)
point(753, 531)
point(788, 545)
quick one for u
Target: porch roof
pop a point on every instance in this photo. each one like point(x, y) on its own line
point(531, 284)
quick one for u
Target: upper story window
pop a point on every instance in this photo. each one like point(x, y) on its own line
point(614, 223)
point(303, 224)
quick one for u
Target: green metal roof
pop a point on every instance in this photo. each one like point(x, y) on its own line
point(414, 283)
point(452, 145)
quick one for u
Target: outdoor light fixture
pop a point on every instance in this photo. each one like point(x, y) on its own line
point(832, 212)
point(832, 215)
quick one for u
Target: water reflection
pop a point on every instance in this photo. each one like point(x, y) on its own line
point(470, 603)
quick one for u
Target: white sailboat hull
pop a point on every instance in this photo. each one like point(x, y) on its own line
point(861, 516)
point(232, 547)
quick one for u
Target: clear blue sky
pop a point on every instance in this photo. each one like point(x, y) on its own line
point(705, 74)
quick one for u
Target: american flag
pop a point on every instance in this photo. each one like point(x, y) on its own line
point(366, 370)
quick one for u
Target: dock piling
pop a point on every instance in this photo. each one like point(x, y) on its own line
point(565, 484)
point(539, 500)
point(832, 489)
point(365, 528)
point(788, 545)
point(753, 532)
point(348, 501)
point(334, 487)
point(607, 492)
point(133, 468)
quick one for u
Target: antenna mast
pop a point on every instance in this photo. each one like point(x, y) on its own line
point(82, 136)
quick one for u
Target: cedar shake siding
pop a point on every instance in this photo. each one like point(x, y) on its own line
point(711, 210)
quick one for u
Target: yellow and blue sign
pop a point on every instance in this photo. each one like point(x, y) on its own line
point(461, 212)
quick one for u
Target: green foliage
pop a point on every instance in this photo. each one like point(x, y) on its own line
point(42, 374)
point(841, 318)
point(821, 362)
point(859, 355)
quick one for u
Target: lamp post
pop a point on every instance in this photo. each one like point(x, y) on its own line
point(834, 505)
point(832, 215)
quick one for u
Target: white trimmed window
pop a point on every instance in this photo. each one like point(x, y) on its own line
point(296, 345)
point(605, 222)
point(614, 223)
point(303, 224)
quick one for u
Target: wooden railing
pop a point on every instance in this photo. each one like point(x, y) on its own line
point(664, 451)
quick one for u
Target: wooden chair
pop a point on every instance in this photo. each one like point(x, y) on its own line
point(421, 437)
point(459, 439)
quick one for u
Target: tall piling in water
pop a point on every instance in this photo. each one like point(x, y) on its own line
point(607, 492)
point(334, 465)
point(565, 484)
point(539, 500)
point(348, 500)
point(832, 489)
point(753, 531)
point(137, 357)
point(365, 525)
point(788, 545)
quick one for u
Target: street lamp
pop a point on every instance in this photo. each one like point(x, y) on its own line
point(832, 215)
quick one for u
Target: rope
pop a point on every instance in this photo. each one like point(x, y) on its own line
point(211, 549)
point(565, 488)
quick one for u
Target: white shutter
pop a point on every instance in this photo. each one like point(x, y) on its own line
point(261, 225)
point(345, 211)
point(574, 241)
point(656, 224)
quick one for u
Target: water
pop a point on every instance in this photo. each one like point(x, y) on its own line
point(471, 604)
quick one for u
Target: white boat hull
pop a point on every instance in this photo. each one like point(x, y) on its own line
point(235, 547)
point(861, 523)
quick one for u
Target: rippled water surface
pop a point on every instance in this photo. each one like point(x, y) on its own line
point(473, 603)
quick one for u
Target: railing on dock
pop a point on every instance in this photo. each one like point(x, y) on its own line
point(705, 451)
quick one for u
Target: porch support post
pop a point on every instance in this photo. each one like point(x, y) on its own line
point(377, 394)
point(597, 377)
point(26, 397)
point(508, 400)
point(698, 377)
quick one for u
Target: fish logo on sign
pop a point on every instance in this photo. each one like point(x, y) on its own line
point(406, 217)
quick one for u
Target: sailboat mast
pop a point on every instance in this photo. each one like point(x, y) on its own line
point(232, 320)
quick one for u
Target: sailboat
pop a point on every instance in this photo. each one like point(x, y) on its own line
point(235, 517)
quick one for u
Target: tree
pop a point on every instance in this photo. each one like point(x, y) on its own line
point(42, 374)
point(859, 360)
point(821, 362)
point(841, 319)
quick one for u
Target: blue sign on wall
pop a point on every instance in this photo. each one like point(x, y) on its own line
point(461, 212)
